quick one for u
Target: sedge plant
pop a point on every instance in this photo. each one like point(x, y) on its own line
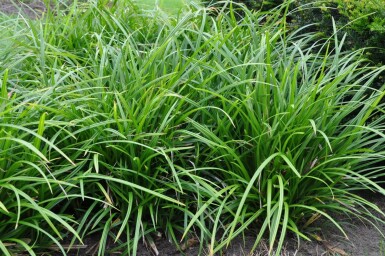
point(129, 124)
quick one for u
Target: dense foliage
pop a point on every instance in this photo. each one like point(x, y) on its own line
point(131, 124)
point(251, 4)
point(364, 15)
point(362, 21)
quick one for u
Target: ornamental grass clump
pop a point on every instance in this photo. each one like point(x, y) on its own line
point(133, 125)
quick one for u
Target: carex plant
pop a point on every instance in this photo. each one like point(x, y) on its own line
point(29, 188)
point(302, 129)
point(129, 124)
point(109, 83)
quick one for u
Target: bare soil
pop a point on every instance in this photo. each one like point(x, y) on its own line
point(363, 239)
point(31, 8)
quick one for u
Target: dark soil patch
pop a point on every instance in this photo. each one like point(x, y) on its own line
point(364, 239)
point(31, 8)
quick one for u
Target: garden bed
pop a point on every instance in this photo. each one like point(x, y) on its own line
point(364, 239)
point(32, 8)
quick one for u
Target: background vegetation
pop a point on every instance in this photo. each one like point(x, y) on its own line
point(132, 123)
point(362, 21)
